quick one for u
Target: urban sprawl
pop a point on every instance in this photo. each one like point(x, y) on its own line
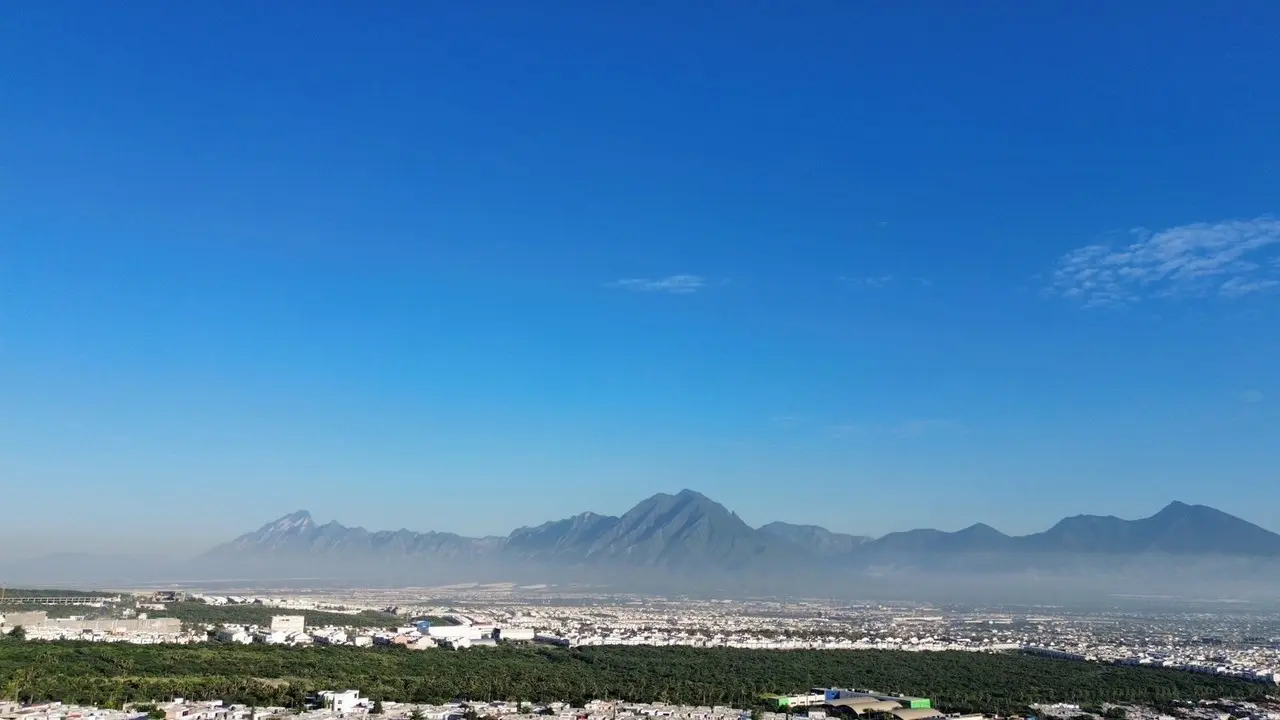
point(1245, 646)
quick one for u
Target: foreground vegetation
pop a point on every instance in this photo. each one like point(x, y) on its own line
point(110, 674)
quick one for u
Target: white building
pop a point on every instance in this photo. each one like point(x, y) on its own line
point(233, 634)
point(288, 623)
point(341, 702)
point(273, 638)
point(516, 634)
point(454, 632)
point(330, 637)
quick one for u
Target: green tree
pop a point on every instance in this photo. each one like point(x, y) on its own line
point(18, 633)
point(377, 707)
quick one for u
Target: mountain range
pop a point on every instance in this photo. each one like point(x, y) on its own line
point(689, 534)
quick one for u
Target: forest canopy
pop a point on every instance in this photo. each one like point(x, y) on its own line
point(113, 673)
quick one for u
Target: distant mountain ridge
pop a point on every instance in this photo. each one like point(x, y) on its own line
point(687, 528)
point(298, 534)
point(688, 532)
point(816, 539)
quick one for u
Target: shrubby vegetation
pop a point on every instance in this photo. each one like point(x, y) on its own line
point(111, 674)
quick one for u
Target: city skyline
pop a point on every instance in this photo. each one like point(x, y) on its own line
point(461, 269)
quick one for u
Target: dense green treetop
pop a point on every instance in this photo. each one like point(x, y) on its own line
point(957, 681)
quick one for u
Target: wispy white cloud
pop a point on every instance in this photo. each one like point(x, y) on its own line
point(906, 429)
point(1230, 258)
point(873, 282)
point(845, 430)
point(1251, 396)
point(1237, 286)
point(876, 282)
point(673, 284)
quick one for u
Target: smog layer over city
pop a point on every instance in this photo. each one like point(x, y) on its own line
point(750, 360)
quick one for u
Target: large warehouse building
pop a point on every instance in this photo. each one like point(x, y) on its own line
point(859, 702)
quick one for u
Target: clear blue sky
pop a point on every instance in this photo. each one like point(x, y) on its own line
point(466, 266)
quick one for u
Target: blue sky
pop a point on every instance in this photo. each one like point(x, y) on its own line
point(466, 266)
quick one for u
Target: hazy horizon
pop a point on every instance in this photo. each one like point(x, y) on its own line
point(14, 546)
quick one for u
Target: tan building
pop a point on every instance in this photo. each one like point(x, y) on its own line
point(288, 623)
point(25, 619)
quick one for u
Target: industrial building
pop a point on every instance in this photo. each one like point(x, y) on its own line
point(514, 634)
point(914, 703)
point(795, 701)
point(41, 619)
point(26, 619)
point(858, 702)
point(36, 620)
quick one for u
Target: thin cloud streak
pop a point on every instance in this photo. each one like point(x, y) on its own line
point(844, 431)
point(672, 284)
point(907, 429)
point(1232, 258)
point(874, 282)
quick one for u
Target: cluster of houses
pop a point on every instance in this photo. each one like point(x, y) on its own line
point(292, 630)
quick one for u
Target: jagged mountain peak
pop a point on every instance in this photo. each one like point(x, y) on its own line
point(683, 496)
point(293, 523)
point(693, 495)
point(982, 529)
point(1177, 508)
